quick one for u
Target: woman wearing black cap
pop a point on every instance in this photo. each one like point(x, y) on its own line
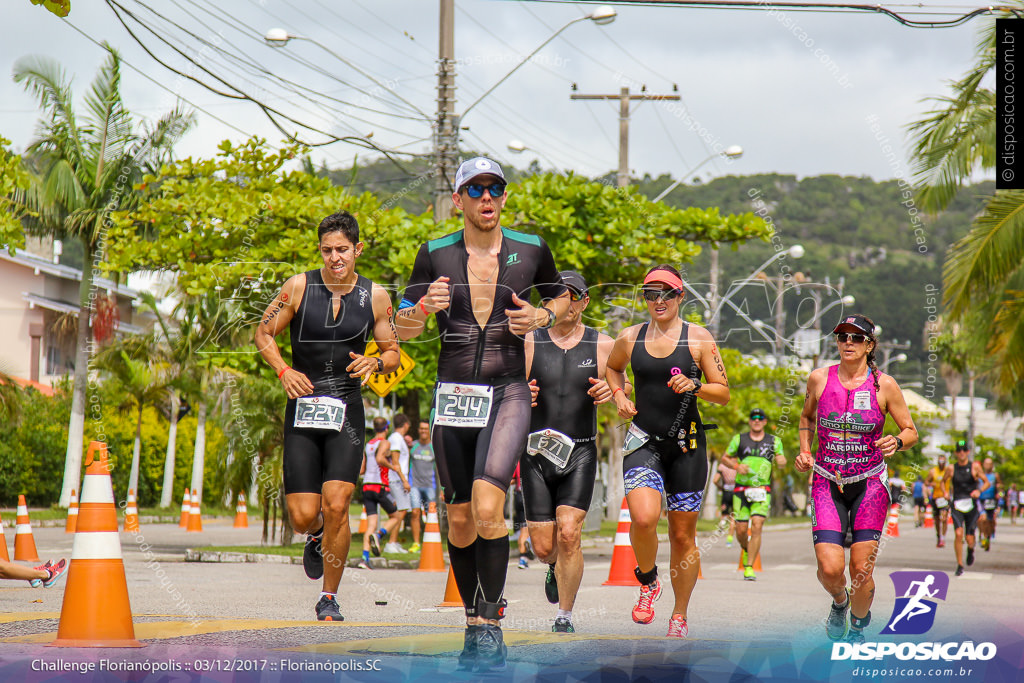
point(665, 448)
point(847, 404)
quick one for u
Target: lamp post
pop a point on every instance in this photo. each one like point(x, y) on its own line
point(448, 122)
point(731, 152)
point(518, 147)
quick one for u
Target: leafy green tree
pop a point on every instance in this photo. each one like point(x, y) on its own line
point(13, 178)
point(137, 382)
point(82, 173)
point(984, 270)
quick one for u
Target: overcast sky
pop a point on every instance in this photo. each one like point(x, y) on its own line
point(799, 92)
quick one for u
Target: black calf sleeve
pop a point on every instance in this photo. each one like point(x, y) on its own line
point(492, 566)
point(464, 569)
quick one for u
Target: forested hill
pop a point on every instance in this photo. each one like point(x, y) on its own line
point(866, 232)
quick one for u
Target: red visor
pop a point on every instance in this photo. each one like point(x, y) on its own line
point(664, 277)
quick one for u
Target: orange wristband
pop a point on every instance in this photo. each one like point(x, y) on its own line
point(618, 389)
point(281, 374)
point(424, 309)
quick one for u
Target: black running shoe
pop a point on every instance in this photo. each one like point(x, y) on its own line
point(327, 609)
point(959, 570)
point(313, 556)
point(467, 658)
point(490, 649)
point(970, 556)
point(551, 585)
point(562, 625)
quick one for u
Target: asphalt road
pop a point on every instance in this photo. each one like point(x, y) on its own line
point(211, 611)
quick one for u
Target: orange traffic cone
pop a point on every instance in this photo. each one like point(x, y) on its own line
point(3, 538)
point(623, 558)
point(756, 565)
point(452, 598)
point(195, 521)
point(893, 527)
point(72, 523)
point(96, 611)
point(186, 509)
point(362, 522)
point(241, 513)
point(24, 542)
point(131, 514)
point(432, 555)
point(929, 521)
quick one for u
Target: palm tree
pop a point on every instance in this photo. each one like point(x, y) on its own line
point(83, 173)
point(984, 271)
point(138, 382)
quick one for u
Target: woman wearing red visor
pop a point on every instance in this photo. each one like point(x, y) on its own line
point(665, 448)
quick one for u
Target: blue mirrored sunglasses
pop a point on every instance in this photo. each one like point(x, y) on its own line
point(476, 191)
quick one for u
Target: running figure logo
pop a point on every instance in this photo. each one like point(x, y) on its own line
point(914, 612)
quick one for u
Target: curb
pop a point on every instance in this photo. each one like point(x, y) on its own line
point(193, 555)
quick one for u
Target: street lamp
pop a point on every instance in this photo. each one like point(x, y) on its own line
point(731, 152)
point(279, 37)
point(602, 16)
point(518, 147)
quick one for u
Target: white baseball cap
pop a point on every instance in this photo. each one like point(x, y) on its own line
point(474, 167)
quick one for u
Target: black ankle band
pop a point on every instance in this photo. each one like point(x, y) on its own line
point(858, 622)
point(646, 578)
point(491, 610)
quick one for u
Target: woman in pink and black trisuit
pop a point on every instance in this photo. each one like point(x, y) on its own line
point(846, 405)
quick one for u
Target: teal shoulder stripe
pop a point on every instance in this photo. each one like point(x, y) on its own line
point(445, 241)
point(523, 237)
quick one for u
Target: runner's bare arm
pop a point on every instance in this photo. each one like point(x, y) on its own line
point(528, 350)
point(275, 320)
point(896, 406)
point(615, 370)
point(715, 387)
point(412, 320)
point(384, 334)
point(809, 419)
point(600, 390)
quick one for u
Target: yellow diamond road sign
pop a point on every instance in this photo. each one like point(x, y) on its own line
point(383, 384)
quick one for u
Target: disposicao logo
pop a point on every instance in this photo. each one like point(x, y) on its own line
point(914, 613)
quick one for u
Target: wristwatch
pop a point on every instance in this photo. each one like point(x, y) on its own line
point(551, 316)
point(380, 365)
point(899, 444)
point(696, 385)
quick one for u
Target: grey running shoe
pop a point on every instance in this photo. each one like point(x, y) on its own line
point(562, 625)
point(375, 545)
point(855, 636)
point(467, 658)
point(551, 585)
point(835, 623)
point(313, 556)
point(327, 609)
point(490, 648)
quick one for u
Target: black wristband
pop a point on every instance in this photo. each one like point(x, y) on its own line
point(551, 317)
point(899, 444)
point(380, 365)
point(696, 385)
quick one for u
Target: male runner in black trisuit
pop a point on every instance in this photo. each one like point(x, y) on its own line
point(965, 480)
point(331, 313)
point(566, 366)
point(477, 280)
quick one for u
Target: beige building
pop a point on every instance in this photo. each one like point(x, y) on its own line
point(39, 315)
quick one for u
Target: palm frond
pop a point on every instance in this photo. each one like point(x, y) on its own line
point(983, 260)
point(46, 79)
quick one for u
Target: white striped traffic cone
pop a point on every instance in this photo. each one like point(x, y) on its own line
point(241, 513)
point(186, 509)
point(131, 514)
point(72, 523)
point(623, 557)
point(24, 542)
point(96, 611)
point(3, 538)
point(432, 555)
point(195, 520)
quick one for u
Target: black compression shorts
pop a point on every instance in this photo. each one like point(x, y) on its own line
point(372, 497)
point(465, 454)
point(967, 520)
point(727, 502)
point(315, 456)
point(661, 465)
point(546, 486)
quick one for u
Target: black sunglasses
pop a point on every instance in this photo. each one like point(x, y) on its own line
point(573, 296)
point(660, 294)
point(843, 337)
point(476, 191)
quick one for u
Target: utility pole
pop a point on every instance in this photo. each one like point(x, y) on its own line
point(622, 178)
point(446, 127)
